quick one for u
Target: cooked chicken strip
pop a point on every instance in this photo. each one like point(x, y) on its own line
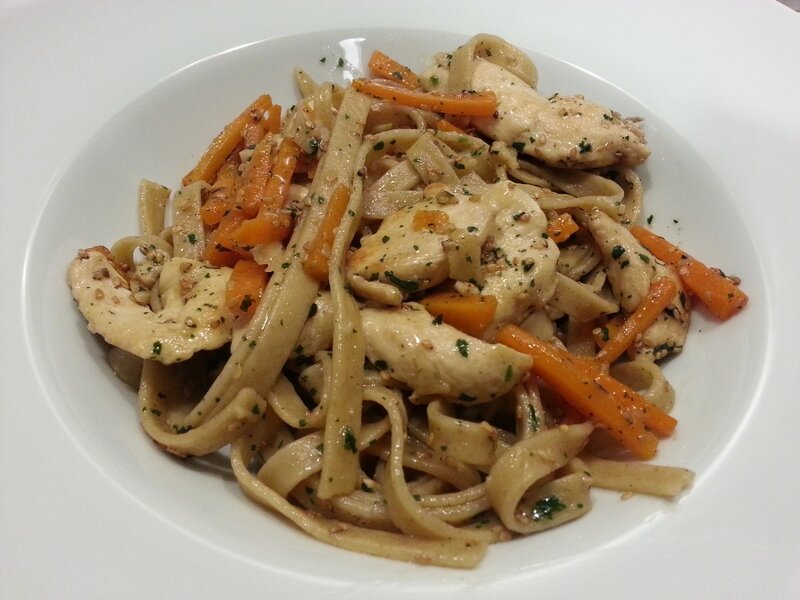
point(406, 255)
point(193, 316)
point(494, 241)
point(631, 269)
point(562, 131)
point(435, 359)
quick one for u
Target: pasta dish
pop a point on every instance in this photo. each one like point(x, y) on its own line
point(421, 313)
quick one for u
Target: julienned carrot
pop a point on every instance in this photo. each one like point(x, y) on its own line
point(253, 133)
point(272, 122)
point(277, 191)
point(221, 249)
point(316, 260)
point(272, 223)
point(475, 104)
point(220, 197)
point(560, 228)
point(226, 141)
point(445, 125)
point(718, 293)
point(471, 314)
point(660, 296)
point(265, 228)
point(255, 178)
point(629, 402)
point(437, 221)
point(655, 419)
point(603, 334)
point(385, 66)
point(245, 287)
point(570, 380)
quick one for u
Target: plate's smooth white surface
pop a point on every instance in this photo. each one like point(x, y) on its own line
point(84, 495)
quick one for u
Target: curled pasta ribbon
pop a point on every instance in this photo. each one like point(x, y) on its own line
point(495, 50)
point(157, 394)
point(403, 508)
point(513, 479)
point(457, 553)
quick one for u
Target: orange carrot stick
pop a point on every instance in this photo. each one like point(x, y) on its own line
point(272, 122)
point(662, 292)
point(245, 287)
point(221, 249)
point(718, 293)
point(277, 191)
point(220, 197)
point(570, 380)
point(384, 66)
point(255, 178)
point(445, 125)
point(655, 419)
point(470, 314)
point(226, 141)
point(253, 133)
point(437, 221)
point(271, 224)
point(604, 333)
point(476, 104)
point(316, 260)
point(561, 227)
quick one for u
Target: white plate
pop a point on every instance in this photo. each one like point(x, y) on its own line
point(90, 495)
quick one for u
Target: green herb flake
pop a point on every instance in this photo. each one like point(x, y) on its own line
point(584, 147)
point(157, 348)
point(518, 146)
point(192, 237)
point(546, 508)
point(340, 62)
point(617, 251)
point(463, 347)
point(509, 373)
point(379, 146)
point(350, 440)
point(533, 419)
point(403, 284)
point(246, 303)
point(255, 410)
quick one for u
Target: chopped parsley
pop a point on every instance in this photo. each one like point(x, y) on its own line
point(546, 508)
point(247, 302)
point(463, 347)
point(403, 284)
point(350, 440)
